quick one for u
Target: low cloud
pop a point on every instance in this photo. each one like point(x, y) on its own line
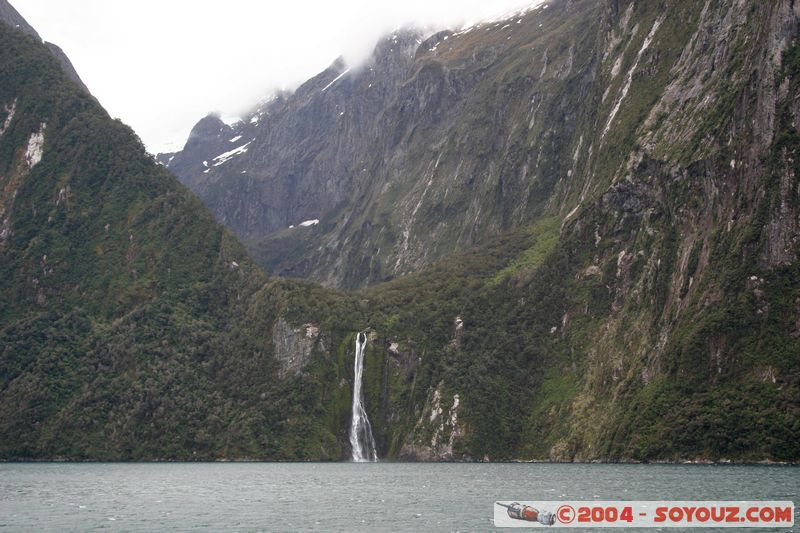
point(160, 66)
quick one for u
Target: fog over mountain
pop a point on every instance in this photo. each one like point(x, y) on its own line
point(160, 85)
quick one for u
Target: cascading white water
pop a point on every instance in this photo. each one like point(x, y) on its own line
point(361, 440)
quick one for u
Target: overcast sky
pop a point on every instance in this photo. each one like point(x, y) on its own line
point(161, 65)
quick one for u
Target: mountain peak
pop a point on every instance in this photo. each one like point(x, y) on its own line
point(12, 17)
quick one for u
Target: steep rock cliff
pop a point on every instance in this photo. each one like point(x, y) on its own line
point(430, 147)
point(628, 171)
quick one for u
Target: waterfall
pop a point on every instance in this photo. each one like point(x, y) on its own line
point(361, 440)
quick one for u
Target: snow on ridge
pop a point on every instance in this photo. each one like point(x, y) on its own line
point(224, 158)
point(35, 149)
point(235, 139)
point(335, 80)
point(505, 15)
point(308, 223)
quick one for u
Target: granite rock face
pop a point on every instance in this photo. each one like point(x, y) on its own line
point(293, 346)
point(433, 145)
point(443, 142)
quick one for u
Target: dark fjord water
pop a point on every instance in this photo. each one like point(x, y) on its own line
point(344, 496)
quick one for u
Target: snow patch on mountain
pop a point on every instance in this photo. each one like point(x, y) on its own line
point(227, 156)
point(337, 78)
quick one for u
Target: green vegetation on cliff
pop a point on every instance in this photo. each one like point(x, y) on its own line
point(131, 325)
point(648, 308)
